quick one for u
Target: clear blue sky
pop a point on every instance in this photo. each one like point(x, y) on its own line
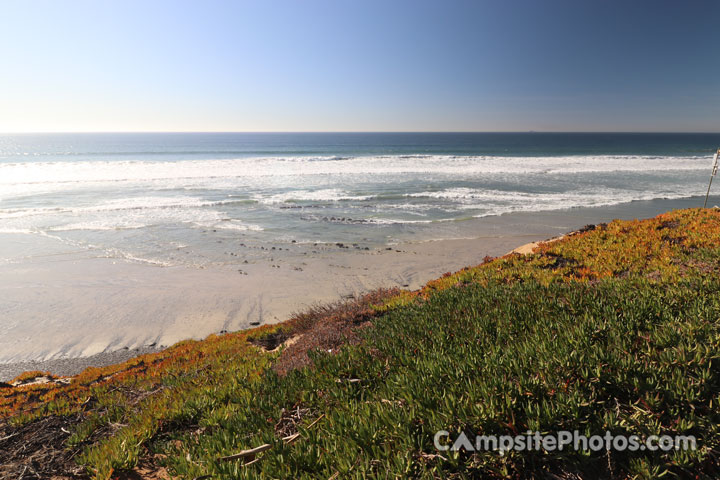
point(360, 65)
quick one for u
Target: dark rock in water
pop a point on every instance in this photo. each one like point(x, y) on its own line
point(294, 241)
point(254, 324)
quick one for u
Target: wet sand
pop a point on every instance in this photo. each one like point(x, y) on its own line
point(70, 305)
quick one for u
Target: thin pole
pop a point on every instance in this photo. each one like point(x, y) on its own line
point(712, 175)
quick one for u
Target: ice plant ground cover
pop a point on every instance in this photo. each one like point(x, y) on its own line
point(615, 328)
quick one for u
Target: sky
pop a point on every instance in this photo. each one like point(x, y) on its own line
point(360, 65)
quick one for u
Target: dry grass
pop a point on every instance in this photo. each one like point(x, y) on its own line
point(37, 449)
point(329, 327)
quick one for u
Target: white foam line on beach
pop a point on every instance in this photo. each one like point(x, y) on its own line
point(122, 255)
point(105, 252)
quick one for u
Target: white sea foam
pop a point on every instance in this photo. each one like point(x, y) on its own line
point(397, 221)
point(230, 224)
point(135, 203)
point(98, 225)
point(132, 258)
point(18, 179)
point(124, 214)
point(496, 202)
point(459, 193)
point(128, 203)
point(323, 195)
point(24, 231)
point(250, 194)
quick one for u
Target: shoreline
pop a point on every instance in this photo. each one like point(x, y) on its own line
point(401, 268)
point(111, 312)
point(68, 367)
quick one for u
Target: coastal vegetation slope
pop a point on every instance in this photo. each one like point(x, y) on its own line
point(613, 328)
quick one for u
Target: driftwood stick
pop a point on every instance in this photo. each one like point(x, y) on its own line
point(246, 453)
point(254, 451)
point(8, 437)
point(291, 438)
point(316, 420)
point(349, 380)
point(257, 459)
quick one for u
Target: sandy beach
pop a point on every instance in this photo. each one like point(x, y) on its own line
point(68, 305)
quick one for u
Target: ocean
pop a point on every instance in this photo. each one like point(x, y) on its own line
point(173, 198)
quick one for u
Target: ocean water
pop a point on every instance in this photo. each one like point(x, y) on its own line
point(173, 199)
